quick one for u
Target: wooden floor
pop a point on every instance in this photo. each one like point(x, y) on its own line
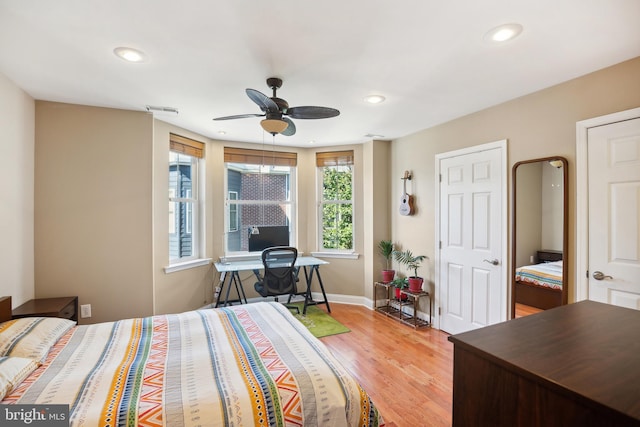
point(525, 310)
point(408, 373)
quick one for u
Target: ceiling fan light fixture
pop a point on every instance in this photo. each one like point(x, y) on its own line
point(274, 126)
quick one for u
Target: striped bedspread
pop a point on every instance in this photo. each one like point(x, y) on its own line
point(547, 274)
point(248, 365)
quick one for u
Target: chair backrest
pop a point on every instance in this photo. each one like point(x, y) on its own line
point(279, 270)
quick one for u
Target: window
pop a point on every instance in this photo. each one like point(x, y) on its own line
point(335, 200)
point(184, 159)
point(260, 188)
point(233, 211)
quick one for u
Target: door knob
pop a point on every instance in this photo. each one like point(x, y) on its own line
point(599, 275)
point(492, 261)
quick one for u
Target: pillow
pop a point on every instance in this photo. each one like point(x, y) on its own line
point(13, 370)
point(32, 337)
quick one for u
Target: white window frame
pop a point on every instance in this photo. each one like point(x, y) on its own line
point(291, 204)
point(320, 202)
point(232, 196)
point(193, 197)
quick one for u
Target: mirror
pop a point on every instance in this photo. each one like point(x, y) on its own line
point(540, 225)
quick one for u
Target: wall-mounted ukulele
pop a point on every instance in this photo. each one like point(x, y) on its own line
point(406, 201)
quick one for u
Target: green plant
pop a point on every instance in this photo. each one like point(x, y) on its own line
point(412, 261)
point(386, 249)
point(400, 282)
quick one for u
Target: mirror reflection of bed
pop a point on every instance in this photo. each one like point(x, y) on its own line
point(539, 235)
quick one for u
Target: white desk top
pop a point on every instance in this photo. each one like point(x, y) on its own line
point(250, 265)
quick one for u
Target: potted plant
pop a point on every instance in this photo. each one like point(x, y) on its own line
point(386, 249)
point(400, 283)
point(412, 262)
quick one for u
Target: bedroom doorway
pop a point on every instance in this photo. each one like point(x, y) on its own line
point(471, 266)
point(608, 240)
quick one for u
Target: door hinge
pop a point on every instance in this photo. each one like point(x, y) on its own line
point(440, 177)
point(440, 244)
point(439, 311)
point(587, 275)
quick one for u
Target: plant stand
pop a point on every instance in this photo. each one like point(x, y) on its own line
point(395, 308)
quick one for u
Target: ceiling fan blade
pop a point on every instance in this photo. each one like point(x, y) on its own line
point(310, 112)
point(291, 129)
point(239, 116)
point(265, 103)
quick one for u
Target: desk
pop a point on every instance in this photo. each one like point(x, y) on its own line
point(572, 365)
point(310, 265)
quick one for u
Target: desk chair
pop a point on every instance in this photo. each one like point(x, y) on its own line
point(280, 274)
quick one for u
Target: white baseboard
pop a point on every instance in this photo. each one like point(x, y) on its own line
point(339, 299)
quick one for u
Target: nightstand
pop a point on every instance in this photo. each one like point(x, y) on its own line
point(64, 307)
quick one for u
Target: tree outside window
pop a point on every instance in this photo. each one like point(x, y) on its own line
point(336, 201)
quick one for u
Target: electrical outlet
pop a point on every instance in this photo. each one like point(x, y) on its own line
point(85, 310)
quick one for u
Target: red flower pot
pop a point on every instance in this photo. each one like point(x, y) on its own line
point(388, 275)
point(415, 284)
point(400, 296)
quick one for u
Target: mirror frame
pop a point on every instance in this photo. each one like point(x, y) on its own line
point(565, 226)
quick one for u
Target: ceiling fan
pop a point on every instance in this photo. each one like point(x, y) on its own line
point(277, 113)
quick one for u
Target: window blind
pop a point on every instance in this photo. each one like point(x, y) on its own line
point(259, 157)
point(188, 146)
point(334, 158)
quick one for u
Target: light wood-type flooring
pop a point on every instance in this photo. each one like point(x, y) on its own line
point(408, 373)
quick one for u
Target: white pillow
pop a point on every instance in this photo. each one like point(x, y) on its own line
point(13, 370)
point(32, 337)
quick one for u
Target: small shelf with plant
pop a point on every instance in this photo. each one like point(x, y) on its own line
point(412, 263)
point(386, 248)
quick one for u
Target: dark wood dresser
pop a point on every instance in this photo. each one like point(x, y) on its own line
point(575, 365)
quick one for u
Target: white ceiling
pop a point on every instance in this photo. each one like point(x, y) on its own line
point(427, 57)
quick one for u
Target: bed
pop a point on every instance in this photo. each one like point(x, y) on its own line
point(540, 285)
point(246, 365)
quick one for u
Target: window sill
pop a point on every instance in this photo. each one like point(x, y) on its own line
point(343, 255)
point(187, 265)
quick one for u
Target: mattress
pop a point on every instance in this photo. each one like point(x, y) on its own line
point(247, 365)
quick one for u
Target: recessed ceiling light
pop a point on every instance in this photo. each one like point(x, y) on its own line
point(374, 135)
point(129, 54)
point(374, 99)
point(503, 33)
point(222, 132)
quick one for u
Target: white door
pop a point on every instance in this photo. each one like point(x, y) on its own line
point(472, 287)
point(613, 154)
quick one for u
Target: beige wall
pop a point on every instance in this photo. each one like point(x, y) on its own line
point(100, 193)
point(528, 213)
point(541, 124)
point(93, 210)
point(17, 119)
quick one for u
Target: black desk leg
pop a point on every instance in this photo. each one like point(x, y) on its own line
point(307, 298)
point(234, 280)
point(240, 289)
point(220, 287)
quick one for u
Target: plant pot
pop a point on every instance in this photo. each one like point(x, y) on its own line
point(415, 284)
point(399, 296)
point(388, 275)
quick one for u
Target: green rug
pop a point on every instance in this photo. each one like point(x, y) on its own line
point(319, 322)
